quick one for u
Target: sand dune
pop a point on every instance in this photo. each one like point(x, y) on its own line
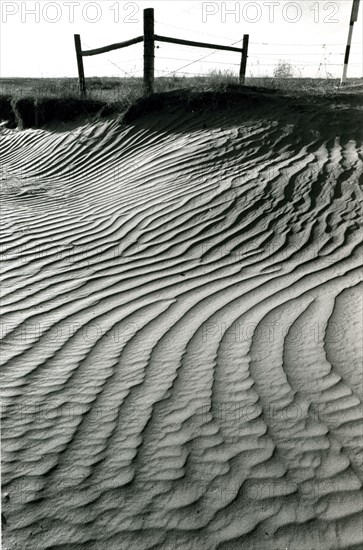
point(181, 333)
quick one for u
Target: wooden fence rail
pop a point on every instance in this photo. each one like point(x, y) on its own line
point(113, 46)
point(149, 38)
point(196, 44)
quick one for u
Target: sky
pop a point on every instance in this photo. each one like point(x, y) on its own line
point(37, 37)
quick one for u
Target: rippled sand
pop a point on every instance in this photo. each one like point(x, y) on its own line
point(182, 323)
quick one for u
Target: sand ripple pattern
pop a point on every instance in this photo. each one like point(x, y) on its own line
point(181, 324)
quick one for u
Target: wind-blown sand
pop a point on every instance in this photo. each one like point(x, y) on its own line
point(182, 319)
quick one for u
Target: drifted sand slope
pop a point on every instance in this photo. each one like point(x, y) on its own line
point(181, 321)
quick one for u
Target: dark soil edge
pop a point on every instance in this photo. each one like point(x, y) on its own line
point(25, 113)
point(36, 113)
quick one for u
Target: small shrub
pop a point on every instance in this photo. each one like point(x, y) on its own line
point(284, 69)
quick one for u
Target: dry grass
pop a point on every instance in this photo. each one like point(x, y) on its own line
point(127, 90)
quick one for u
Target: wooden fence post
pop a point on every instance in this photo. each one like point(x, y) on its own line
point(149, 50)
point(82, 81)
point(242, 72)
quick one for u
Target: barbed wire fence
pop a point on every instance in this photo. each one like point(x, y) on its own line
point(313, 60)
point(260, 59)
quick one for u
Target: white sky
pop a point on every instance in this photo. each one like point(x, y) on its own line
point(41, 44)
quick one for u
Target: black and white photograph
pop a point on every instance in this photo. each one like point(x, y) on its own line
point(181, 275)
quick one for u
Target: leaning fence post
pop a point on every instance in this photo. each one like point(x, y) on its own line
point(149, 50)
point(82, 81)
point(242, 72)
